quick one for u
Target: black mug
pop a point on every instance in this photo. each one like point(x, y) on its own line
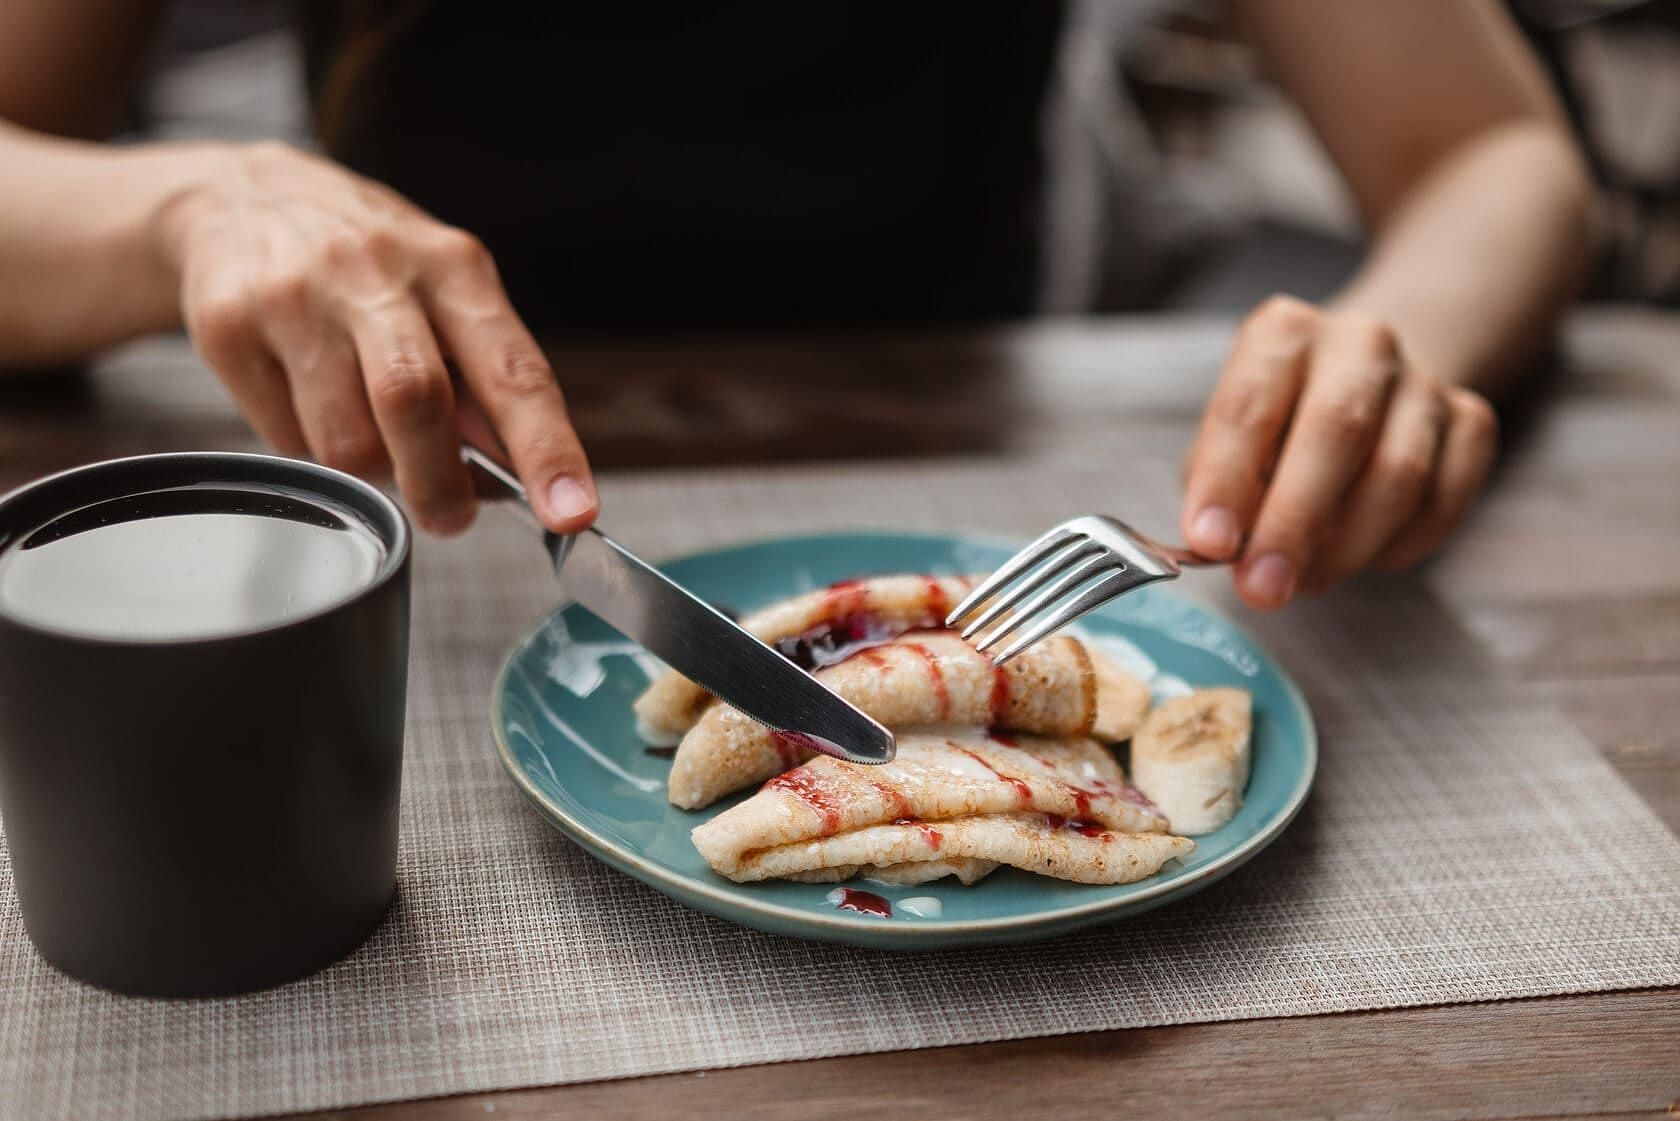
point(213, 811)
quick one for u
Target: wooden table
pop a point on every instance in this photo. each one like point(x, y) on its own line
point(1570, 575)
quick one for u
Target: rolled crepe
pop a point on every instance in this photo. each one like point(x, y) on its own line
point(874, 609)
point(920, 679)
point(1046, 844)
point(934, 779)
point(1191, 756)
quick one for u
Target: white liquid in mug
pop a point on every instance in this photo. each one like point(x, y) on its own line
point(189, 562)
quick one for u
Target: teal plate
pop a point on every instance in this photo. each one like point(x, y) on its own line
point(564, 729)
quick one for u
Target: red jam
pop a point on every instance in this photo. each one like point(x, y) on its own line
point(1000, 695)
point(938, 603)
point(1023, 792)
point(893, 797)
point(863, 902)
point(845, 635)
point(932, 836)
point(936, 677)
point(1083, 828)
point(803, 785)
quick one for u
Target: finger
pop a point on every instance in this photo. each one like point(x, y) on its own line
point(1467, 455)
point(1391, 489)
point(1351, 377)
point(330, 399)
point(512, 381)
point(1243, 425)
point(414, 409)
point(227, 339)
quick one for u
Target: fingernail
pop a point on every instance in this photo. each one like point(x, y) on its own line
point(568, 498)
point(1216, 532)
point(1271, 579)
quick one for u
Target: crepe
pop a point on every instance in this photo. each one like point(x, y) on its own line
point(934, 780)
point(919, 679)
point(815, 628)
point(1191, 756)
point(1047, 844)
point(966, 869)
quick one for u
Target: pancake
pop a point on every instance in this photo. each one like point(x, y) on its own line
point(923, 678)
point(934, 779)
point(1045, 844)
point(816, 628)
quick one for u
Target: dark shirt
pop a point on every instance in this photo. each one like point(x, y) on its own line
point(762, 162)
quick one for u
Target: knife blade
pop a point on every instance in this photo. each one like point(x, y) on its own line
point(710, 649)
point(703, 644)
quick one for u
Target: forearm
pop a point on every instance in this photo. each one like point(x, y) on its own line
point(81, 266)
point(1475, 265)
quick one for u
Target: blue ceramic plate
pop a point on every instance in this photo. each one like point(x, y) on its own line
point(563, 726)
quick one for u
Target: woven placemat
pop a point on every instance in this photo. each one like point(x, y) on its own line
point(1461, 845)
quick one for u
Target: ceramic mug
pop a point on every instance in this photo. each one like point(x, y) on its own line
point(199, 787)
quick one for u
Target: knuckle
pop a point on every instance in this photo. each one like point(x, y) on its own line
point(1406, 471)
point(285, 293)
point(1476, 415)
point(1374, 337)
point(354, 245)
point(408, 388)
point(463, 250)
point(553, 450)
point(355, 453)
point(1240, 405)
point(1285, 314)
point(1348, 417)
point(522, 375)
point(221, 323)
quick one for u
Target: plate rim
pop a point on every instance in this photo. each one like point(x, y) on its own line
point(678, 886)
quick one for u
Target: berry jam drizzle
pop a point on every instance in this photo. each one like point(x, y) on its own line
point(894, 797)
point(803, 786)
point(1000, 695)
point(1023, 792)
point(936, 677)
point(932, 836)
point(1083, 828)
point(863, 902)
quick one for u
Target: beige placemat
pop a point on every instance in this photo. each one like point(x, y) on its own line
point(1460, 846)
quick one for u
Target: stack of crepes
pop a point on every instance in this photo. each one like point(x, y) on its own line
point(996, 764)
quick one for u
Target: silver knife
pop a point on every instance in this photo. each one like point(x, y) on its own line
point(700, 642)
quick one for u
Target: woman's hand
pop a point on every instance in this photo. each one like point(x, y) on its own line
point(329, 305)
point(1324, 451)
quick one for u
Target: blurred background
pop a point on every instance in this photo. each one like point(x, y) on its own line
point(1227, 197)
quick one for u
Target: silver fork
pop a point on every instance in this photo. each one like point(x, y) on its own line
point(1069, 572)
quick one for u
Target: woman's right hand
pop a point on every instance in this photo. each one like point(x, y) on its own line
point(328, 305)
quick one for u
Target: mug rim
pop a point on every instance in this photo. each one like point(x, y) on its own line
point(260, 468)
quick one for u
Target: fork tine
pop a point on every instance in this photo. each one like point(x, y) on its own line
point(1034, 579)
point(1078, 575)
point(1110, 586)
point(1012, 568)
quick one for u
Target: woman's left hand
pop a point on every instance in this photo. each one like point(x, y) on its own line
point(1324, 451)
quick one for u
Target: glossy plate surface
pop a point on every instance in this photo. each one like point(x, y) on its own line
point(564, 729)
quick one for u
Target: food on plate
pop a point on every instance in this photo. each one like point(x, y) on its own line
point(896, 812)
point(1191, 756)
point(1009, 765)
point(817, 629)
point(921, 678)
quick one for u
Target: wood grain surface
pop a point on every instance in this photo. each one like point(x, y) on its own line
point(1569, 574)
